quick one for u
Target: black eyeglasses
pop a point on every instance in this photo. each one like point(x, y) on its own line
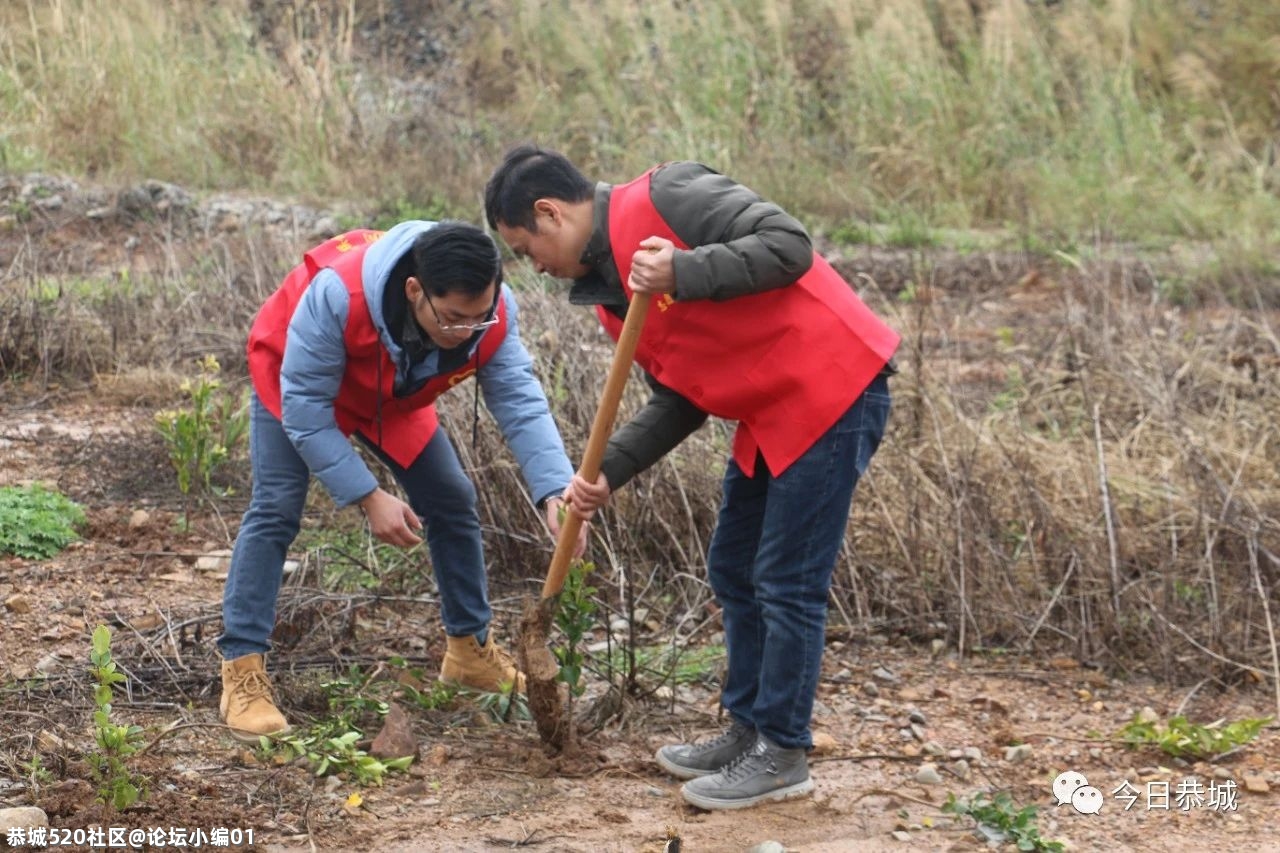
point(461, 327)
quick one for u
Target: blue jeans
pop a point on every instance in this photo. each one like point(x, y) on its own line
point(438, 490)
point(770, 565)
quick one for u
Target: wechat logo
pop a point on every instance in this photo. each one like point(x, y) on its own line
point(1071, 787)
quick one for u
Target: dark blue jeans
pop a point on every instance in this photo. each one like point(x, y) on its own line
point(770, 565)
point(438, 490)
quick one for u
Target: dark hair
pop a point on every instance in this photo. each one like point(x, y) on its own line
point(456, 257)
point(527, 174)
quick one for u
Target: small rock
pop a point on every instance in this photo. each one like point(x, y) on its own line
point(911, 750)
point(438, 756)
point(910, 694)
point(905, 734)
point(972, 753)
point(1254, 783)
point(961, 769)
point(824, 744)
point(937, 647)
point(396, 739)
point(934, 748)
point(768, 847)
point(1147, 715)
point(882, 674)
point(916, 717)
point(955, 754)
point(902, 835)
point(870, 689)
point(1221, 773)
point(214, 561)
point(139, 518)
point(917, 733)
point(656, 792)
point(928, 775)
point(23, 817)
point(17, 603)
point(332, 783)
point(1016, 754)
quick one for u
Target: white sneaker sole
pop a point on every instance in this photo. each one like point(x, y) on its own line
point(791, 792)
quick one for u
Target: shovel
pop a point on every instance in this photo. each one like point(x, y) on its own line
point(536, 660)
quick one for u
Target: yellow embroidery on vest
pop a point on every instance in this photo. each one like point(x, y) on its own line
point(459, 377)
point(665, 301)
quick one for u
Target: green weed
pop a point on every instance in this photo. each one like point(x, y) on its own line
point(118, 787)
point(1181, 738)
point(202, 435)
point(36, 523)
point(1001, 821)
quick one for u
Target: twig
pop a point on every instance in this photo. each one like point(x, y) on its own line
point(164, 734)
point(885, 792)
point(1209, 652)
point(1106, 514)
point(1266, 611)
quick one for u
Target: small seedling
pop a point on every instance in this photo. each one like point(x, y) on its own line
point(201, 436)
point(36, 523)
point(1001, 821)
point(1182, 739)
point(574, 618)
point(329, 747)
point(118, 788)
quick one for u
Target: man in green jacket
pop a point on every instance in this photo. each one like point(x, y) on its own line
point(747, 324)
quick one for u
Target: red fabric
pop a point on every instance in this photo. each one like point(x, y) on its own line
point(407, 423)
point(785, 364)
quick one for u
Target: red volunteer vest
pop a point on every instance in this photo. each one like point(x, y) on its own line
point(785, 364)
point(366, 392)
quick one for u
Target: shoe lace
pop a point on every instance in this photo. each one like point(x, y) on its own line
point(731, 735)
point(747, 764)
point(499, 656)
point(251, 686)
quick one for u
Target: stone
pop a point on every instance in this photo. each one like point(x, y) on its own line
point(1016, 754)
point(1254, 783)
point(917, 717)
point(17, 603)
point(902, 835)
point(768, 847)
point(971, 753)
point(1147, 715)
point(882, 674)
point(928, 775)
point(961, 769)
point(396, 739)
point(824, 744)
point(139, 518)
point(22, 817)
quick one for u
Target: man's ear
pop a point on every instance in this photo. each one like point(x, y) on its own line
point(548, 207)
point(413, 290)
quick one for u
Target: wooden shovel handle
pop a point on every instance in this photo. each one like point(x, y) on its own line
point(601, 428)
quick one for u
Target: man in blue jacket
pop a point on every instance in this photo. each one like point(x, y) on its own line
point(360, 339)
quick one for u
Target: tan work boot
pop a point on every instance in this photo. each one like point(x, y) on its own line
point(246, 704)
point(484, 668)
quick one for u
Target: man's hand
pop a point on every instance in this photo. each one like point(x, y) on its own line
point(392, 520)
point(585, 498)
point(653, 267)
point(554, 507)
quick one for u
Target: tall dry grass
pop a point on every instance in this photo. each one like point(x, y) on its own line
point(1074, 465)
point(1133, 119)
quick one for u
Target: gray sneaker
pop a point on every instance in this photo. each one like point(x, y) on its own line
point(764, 773)
point(691, 760)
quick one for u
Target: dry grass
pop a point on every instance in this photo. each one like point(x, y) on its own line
point(1074, 465)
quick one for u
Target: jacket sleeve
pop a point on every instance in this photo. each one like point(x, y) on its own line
point(518, 403)
point(739, 243)
point(665, 421)
point(315, 357)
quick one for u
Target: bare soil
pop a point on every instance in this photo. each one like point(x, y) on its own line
point(886, 706)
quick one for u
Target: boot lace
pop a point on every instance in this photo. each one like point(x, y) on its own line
point(732, 735)
point(250, 687)
point(498, 656)
point(748, 764)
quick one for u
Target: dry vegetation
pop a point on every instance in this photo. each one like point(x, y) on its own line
point(1075, 464)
